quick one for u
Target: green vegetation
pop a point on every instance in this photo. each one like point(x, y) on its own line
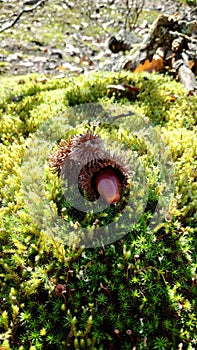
point(139, 291)
point(189, 2)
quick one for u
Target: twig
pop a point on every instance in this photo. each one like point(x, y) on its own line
point(184, 36)
point(25, 10)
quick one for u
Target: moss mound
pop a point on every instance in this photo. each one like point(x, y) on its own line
point(137, 292)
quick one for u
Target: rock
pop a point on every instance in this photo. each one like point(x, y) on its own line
point(122, 42)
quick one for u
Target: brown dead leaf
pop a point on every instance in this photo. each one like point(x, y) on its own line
point(191, 64)
point(86, 61)
point(150, 66)
point(124, 90)
point(171, 98)
point(131, 87)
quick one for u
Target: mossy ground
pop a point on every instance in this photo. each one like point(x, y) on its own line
point(139, 291)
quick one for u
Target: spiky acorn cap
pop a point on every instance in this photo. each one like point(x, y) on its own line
point(56, 161)
point(86, 148)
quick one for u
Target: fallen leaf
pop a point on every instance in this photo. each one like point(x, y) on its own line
point(69, 67)
point(191, 64)
point(150, 66)
point(131, 87)
point(117, 87)
point(124, 89)
point(171, 97)
point(86, 61)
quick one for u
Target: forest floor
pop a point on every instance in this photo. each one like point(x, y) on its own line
point(69, 37)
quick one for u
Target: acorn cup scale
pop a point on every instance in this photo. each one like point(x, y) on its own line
point(100, 174)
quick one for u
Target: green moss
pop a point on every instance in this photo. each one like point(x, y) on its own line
point(149, 16)
point(139, 291)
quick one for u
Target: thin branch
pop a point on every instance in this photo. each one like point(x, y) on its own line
point(188, 38)
point(25, 10)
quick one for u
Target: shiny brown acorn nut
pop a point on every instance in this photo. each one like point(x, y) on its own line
point(107, 178)
point(108, 186)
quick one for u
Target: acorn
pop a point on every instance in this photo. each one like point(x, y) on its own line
point(108, 185)
point(100, 174)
